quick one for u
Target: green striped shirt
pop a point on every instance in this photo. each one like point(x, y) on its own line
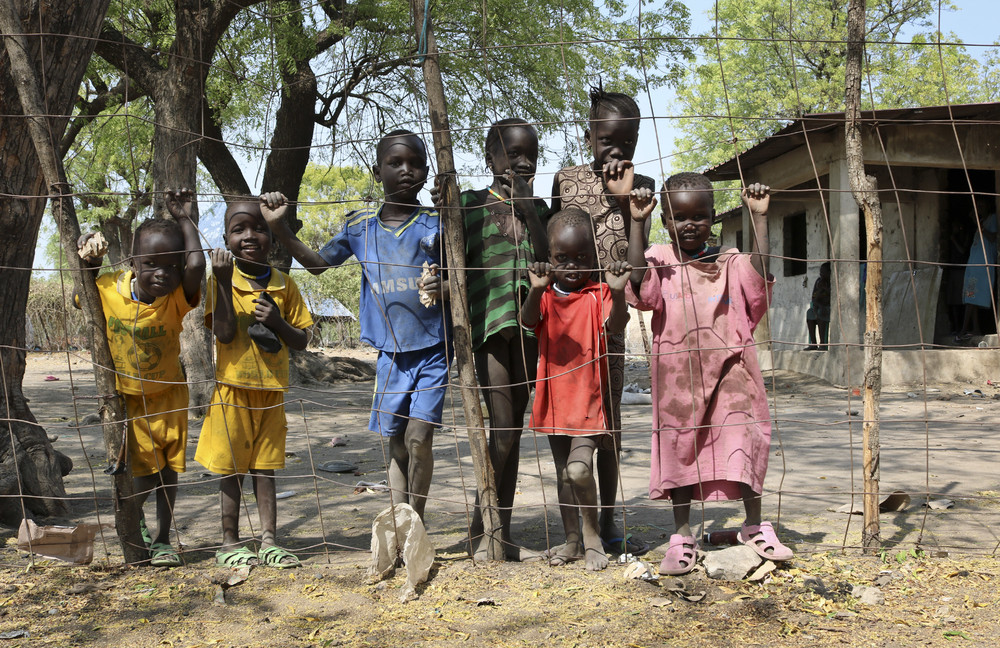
point(498, 251)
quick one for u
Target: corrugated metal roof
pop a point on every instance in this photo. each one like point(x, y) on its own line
point(794, 135)
point(328, 308)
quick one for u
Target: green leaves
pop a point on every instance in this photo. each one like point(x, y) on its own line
point(767, 62)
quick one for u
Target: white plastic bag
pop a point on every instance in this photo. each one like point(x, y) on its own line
point(405, 535)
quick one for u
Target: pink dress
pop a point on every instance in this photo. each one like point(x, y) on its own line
point(711, 422)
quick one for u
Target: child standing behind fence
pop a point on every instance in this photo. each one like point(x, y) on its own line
point(572, 315)
point(144, 308)
point(504, 233)
point(597, 188)
point(392, 243)
point(257, 314)
point(711, 422)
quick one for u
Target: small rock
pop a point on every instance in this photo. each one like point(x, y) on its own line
point(939, 504)
point(732, 563)
point(639, 570)
point(91, 419)
point(337, 466)
point(912, 395)
point(761, 572)
point(868, 595)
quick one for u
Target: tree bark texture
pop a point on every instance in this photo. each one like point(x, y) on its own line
point(46, 142)
point(454, 240)
point(30, 470)
point(865, 193)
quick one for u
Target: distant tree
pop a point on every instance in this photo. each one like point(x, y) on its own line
point(328, 195)
point(765, 63)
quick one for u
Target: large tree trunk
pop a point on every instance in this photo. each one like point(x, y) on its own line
point(178, 92)
point(30, 470)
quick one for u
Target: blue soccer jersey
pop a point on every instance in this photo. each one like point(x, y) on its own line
point(392, 317)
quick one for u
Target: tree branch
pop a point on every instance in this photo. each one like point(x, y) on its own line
point(120, 94)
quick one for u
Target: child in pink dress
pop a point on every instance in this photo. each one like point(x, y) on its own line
point(711, 423)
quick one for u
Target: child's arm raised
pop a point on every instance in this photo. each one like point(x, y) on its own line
point(757, 198)
point(523, 195)
point(223, 315)
point(641, 203)
point(179, 205)
point(619, 175)
point(616, 276)
point(274, 205)
point(539, 274)
point(619, 178)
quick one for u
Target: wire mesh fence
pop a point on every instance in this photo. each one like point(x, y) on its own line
point(931, 155)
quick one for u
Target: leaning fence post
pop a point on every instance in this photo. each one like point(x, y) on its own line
point(454, 240)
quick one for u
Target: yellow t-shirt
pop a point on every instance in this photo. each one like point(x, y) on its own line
point(144, 338)
point(241, 362)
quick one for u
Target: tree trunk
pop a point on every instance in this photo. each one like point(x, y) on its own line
point(30, 470)
point(178, 91)
point(866, 195)
point(45, 140)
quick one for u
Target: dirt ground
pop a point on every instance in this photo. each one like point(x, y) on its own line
point(938, 572)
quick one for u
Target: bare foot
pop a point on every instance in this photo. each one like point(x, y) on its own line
point(564, 554)
point(596, 559)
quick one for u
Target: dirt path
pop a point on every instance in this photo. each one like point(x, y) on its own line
point(816, 449)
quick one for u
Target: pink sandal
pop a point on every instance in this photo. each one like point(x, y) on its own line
point(762, 539)
point(681, 555)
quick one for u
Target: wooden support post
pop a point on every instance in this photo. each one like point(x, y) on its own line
point(46, 146)
point(454, 239)
point(866, 194)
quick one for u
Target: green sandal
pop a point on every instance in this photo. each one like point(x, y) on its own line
point(274, 556)
point(242, 557)
point(144, 532)
point(163, 555)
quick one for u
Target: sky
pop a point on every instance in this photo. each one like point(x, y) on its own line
point(974, 22)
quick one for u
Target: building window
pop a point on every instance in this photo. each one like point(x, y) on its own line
point(794, 248)
point(739, 241)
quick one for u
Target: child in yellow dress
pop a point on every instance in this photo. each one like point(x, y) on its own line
point(256, 314)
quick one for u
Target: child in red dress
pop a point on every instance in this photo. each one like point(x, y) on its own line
point(572, 315)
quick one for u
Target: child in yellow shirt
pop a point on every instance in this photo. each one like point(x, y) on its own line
point(143, 307)
point(257, 314)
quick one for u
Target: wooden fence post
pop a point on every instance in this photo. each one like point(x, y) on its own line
point(866, 195)
point(454, 238)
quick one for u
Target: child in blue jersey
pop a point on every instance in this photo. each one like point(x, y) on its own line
point(393, 242)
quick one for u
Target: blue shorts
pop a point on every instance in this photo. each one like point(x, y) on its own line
point(408, 384)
